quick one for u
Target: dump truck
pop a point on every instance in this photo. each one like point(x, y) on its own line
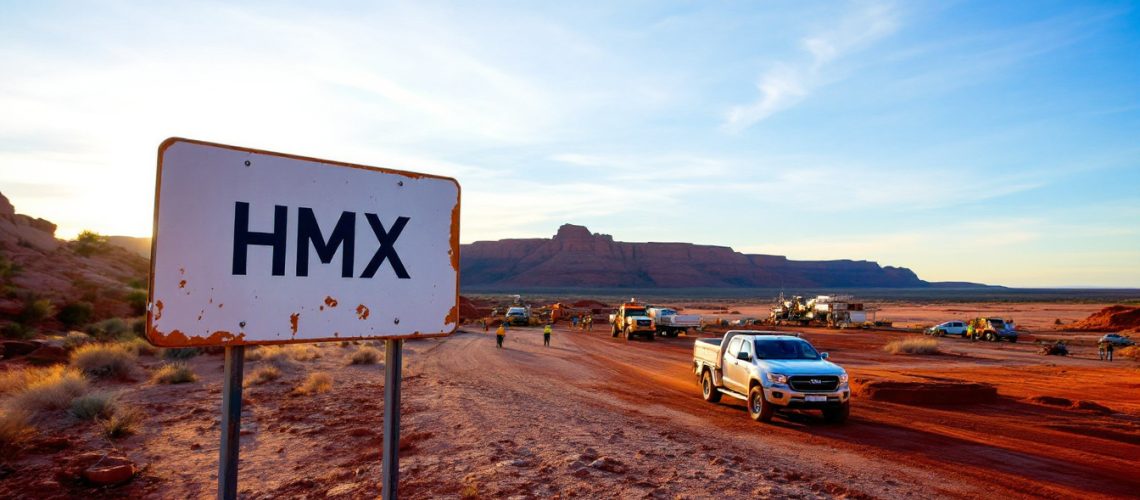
point(770, 371)
point(669, 323)
point(630, 320)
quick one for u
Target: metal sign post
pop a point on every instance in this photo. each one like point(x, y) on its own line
point(231, 423)
point(390, 467)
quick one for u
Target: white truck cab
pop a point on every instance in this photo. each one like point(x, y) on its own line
point(771, 371)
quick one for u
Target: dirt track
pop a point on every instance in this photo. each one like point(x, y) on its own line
point(594, 416)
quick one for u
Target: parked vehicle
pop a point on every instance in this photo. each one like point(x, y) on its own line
point(1117, 340)
point(771, 371)
point(631, 319)
point(669, 323)
point(948, 328)
point(518, 316)
point(991, 329)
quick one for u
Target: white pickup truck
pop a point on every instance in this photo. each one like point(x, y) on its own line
point(669, 323)
point(770, 371)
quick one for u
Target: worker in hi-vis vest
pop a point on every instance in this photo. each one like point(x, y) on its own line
point(500, 334)
point(546, 336)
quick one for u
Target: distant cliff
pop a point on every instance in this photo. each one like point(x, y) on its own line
point(577, 258)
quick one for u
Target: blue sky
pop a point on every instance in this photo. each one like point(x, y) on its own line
point(996, 142)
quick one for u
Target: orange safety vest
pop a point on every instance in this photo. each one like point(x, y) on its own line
point(502, 332)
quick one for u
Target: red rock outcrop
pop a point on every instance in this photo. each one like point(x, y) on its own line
point(35, 264)
point(574, 257)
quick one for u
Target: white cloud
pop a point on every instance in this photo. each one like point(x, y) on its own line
point(785, 84)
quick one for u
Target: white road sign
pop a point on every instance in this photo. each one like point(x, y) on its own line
point(253, 247)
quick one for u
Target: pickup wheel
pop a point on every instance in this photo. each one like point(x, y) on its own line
point(991, 337)
point(759, 409)
point(613, 331)
point(708, 390)
point(838, 414)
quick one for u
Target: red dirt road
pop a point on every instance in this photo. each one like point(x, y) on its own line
point(594, 416)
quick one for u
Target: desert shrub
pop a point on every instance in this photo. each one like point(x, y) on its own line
point(138, 326)
point(108, 329)
point(93, 406)
point(174, 373)
point(912, 346)
point(39, 389)
point(104, 360)
point(365, 356)
point(141, 347)
point(75, 314)
point(14, 428)
point(1057, 321)
point(18, 331)
point(89, 243)
point(124, 421)
point(262, 375)
point(8, 269)
point(1130, 352)
point(136, 299)
point(75, 339)
point(35, 311)
point(316, 383)
point(181, 353)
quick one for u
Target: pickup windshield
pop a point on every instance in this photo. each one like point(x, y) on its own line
point(785, 349)
point(635, 312)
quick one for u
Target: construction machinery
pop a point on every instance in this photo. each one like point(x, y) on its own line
point(830, 310)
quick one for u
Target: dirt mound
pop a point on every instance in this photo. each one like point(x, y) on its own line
point(1111, 319)
point(927, 393)
point(1068, 403)
point(1051, 401)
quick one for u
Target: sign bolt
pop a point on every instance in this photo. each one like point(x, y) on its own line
point(400, 183)
point(247, 163)
point(242, 324)
point(397, 321)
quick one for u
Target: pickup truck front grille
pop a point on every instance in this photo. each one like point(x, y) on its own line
point(814, 383)
point(643, 322)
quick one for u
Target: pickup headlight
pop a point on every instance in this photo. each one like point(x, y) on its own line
point(777, 378)
point(843, 379)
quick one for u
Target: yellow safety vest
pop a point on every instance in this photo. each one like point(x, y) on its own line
point(502, 332)
point(547, 330)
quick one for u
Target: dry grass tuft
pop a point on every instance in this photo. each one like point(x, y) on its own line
point(93, 406)
point(174, 373)
point(283, 356)
point(104, 360)
point(262, 375)
point(141, 347)
point(14, 429)
point(123, 422)
point(39, 389)
point(316, 383)
point(75, 339)
point(365, 356)
point(912, 346)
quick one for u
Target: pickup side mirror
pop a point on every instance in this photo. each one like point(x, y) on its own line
point(823, 356)
point(743, 356)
